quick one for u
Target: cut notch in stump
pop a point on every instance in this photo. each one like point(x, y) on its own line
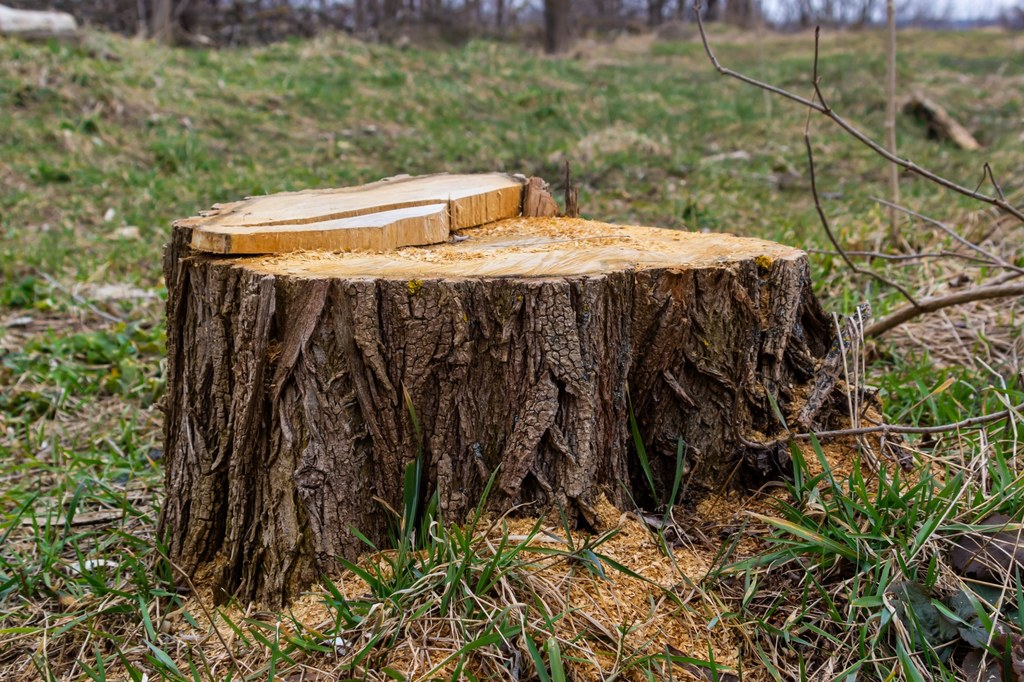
point(384, 215)
point(286, 425)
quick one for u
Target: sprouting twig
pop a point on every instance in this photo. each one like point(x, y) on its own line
point(832, 238)
point(933, 303)
point(999, 201)
point(993, 258)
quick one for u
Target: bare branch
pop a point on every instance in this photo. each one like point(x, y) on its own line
point(1004, 278)
point(890, 115)
point(998, 201)
point(931, 304)
point(993, 258)
point(886, 429)
point(832, 238)
point(909, 256)
point(995, 183)
point(816, 79)
point(747, 79)
point(941, 428)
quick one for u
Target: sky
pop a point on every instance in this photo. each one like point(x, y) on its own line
point(954, 9)
point(969, 9)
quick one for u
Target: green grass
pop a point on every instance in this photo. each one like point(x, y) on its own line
point(111, 134)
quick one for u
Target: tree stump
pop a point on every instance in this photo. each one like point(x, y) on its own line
point(519, 344)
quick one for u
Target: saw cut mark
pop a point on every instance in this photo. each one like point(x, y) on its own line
point(402, 211)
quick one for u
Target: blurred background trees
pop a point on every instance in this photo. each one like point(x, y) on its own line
point(554, 23)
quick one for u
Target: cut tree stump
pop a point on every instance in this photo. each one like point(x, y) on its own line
point(519, 345)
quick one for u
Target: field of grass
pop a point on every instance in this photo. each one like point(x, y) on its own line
point(103, 143)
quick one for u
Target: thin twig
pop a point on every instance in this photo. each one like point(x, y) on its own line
point(1004, 278)
point(968, 423)
point(995, 259)
point(206, 612)
point(908, 256)
point(822, 108)
point(816, 79)
point(890, 115)
point(995, 183)
point(817, 199)
point(886, 429)
point(933, 303)
point(78, 299)
point(832, 238)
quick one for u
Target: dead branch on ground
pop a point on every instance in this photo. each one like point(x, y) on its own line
point(934, 303)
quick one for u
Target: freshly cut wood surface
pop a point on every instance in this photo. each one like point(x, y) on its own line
point(535, 247)
point(325, 219)
point(287, 421)
point(373, 232)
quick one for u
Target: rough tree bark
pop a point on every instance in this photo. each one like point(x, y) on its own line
point(517, 344)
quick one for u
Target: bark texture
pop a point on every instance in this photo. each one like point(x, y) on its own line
point(286, 421)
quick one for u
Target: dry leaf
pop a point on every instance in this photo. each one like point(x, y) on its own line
point(988, 556)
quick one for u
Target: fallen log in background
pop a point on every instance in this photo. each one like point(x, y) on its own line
point(36, 23)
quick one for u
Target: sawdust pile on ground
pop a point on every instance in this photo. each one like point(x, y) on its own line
point(668, 610)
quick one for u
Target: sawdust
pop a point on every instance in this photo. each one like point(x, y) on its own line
point(663, 599)
point(657, 604)
point(531, 247)
point(663, 610)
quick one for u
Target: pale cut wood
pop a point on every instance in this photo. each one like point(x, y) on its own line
point(383, 231)
point(33, 23)
point(285, 222)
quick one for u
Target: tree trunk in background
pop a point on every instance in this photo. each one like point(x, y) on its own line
point(556, 26)
point(805, 14)
point(161, 24)
point(740, 13)
point(655, 12)
point(499, 13)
